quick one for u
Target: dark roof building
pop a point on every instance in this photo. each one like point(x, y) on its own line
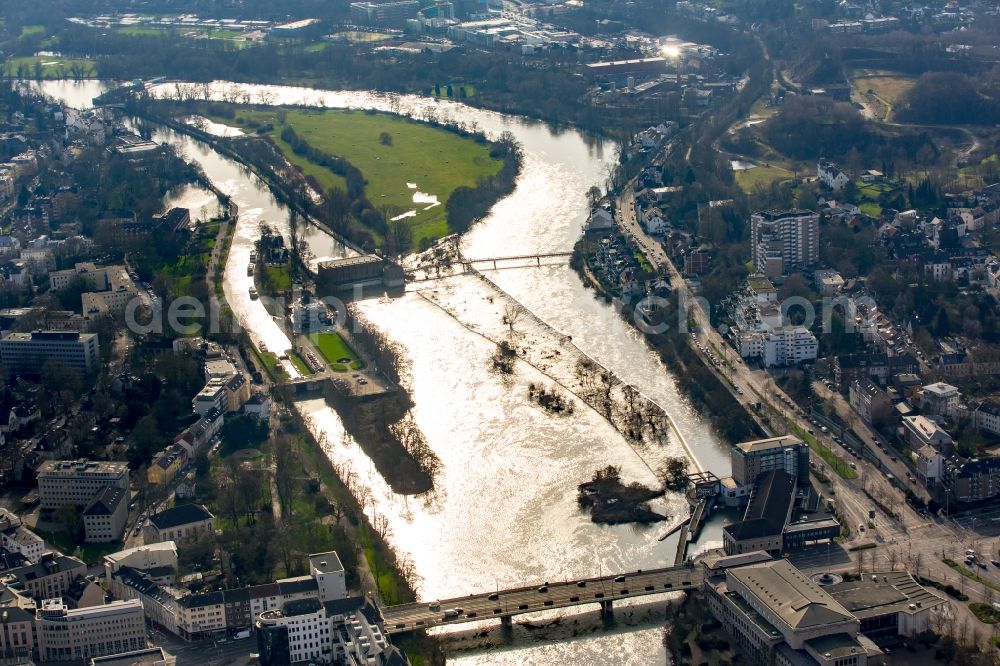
point(768, 512)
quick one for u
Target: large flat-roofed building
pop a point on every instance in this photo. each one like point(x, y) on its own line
point(777, 615)
point(394, 12)
point(25, 353)
point(154, 656)
point(93, 277)
point(787, 453)
point(338, 274)
point(939, 398)
point(783, 241)
point(76, 482)
point(888, 604)
point(83, 633)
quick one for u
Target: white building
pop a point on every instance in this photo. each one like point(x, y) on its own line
point(939, 398)
point(831, 176)
point(789, 345)
point(17, 538)
point(929, 464)
point(987, 417)
point(783, 241)
point(79, 634)
point(76, 482)
point(828, 282)
point(105, 516)
point(25, 353)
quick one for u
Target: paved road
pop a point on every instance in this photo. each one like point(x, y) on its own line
point(505, 603)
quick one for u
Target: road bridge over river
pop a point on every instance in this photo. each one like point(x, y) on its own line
point(504, 604)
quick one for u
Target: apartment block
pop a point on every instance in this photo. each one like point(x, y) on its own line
point(25, 353)
point(783, 241)
point(76, 482)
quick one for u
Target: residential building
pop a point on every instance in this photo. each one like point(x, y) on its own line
point(347, 631)
point(94, 278)
point(180, 523)
point(986, 417)
point(788, 345)
point(929, 464)
point(851, 367)
point(48, 578)
point(72, 635)
point(831, 176)
point(870, 402)
point(972, 480)
point(25, 353)
point(787, 453)
point(920, 431)
point(828, 282)
point(783, 241)
point(76, 482)
point(165, 465)
point(16, 538)
point(105, 516)
point(157, 560)
point(329, 574)
point(939, 398)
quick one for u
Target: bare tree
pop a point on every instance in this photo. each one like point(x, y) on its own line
point(512, 313)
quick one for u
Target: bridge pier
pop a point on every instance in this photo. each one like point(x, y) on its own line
point(507, 622)
point(607, 609)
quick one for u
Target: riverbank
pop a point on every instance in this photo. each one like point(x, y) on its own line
point(695, 378)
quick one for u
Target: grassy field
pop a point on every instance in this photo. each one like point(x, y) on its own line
point(838, 464)
point(141, 31)
point(887, 87)
point(747, 179)
point(436, 160)
point(356, 36)
point(334, 348)
point(30, 30)
point(299, 364)
point(53, 67)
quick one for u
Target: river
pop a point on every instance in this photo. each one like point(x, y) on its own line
point(504, 507)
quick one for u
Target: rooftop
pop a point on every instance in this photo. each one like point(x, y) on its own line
point(768, 444)
point(326, 562)
point(883, 593)
point(790, 595)
point(836, 646)
point(184, 514)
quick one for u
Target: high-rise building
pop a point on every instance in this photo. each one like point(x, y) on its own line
point(782, 241)
point(787, 453)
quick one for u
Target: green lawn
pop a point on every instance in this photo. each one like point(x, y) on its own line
point(436, 160)
point(88, 552)
point(141, 31)
point(29, 30)
point(278, 278)
point(838, 464)
point(358, 36)
point(333, 348)
point(747, 179)
point(53, 67)
point(299, 363)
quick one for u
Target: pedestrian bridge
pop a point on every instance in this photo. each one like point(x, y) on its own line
point(516, 261)
point(504, 604)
